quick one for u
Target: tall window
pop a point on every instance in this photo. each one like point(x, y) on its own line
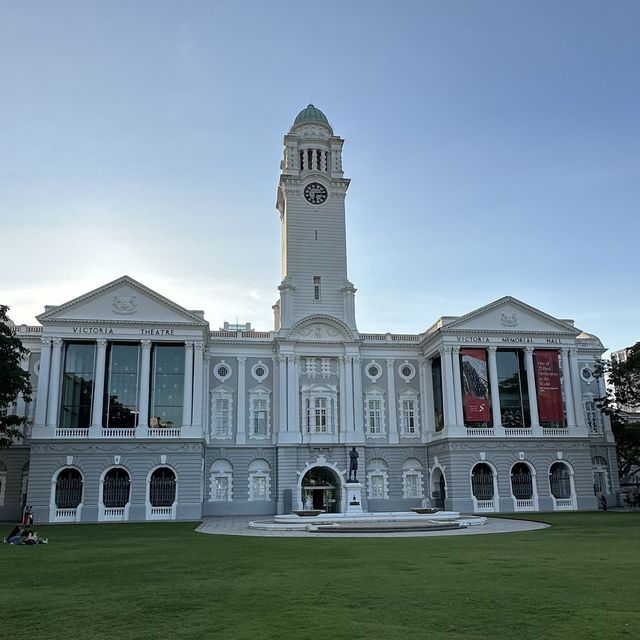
point(221, 413)
point(521, 481)
point(167, 386)
point(259, 480)
point(592, 416)
point(374, 417)
point(260, 422)
point(316, 287)
point(438, 403)
point(221, 480)
point(162, 487)
point(512, 385)
point(77, 385)
point(121, 406)
point(560, 480)
point(68, 489)
point(600, 475)
point(412, 486)
point(408, 409)
point(116, 488)
point(482, 481)
point(317, 417)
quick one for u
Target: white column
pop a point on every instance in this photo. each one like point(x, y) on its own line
point(296, 397)
point(98, 387)
point(495, 388)
point(531, 388)
point(54, 383)
point(342, 427)
point(348, 391)
point(198, 377)
point(566, 387)
point(43, 382)
point(448, 390)
point(241, 431)
point(391, 393)
point(187, 393)
point(282, 394)
point(21, 405)
point(358, 417)
point(145, 378)
point(575, 385)
point(457, 385)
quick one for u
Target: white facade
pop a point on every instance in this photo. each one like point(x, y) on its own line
point(142, 412)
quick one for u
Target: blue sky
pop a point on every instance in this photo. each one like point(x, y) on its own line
point(493, 147)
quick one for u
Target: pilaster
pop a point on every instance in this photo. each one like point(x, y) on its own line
point(495, 388)
point(188, 384)
point(198, 387)
point(241, 432)
point(391, 392)
point(457, 386)
point(536, 429)
point(145, 379)
point(98, 386)
point(566, 387)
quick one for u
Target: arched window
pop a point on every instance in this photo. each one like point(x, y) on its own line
point(115, 488)
point(68, 489)
point(221, 481)
point(600, 475)
point(560, 480)
point(482, 481)
point(412, 486)
point(259, 480)
point(378, 479)
point(521, 481)
point(162, 487)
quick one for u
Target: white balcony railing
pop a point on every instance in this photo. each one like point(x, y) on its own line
point(485, 505)
point(517, 432)
point(72, 433)
point(564, 504)
point(522, 504)
point(480, 431)
point(119, 433)
point(163, 432)
point(555, 433)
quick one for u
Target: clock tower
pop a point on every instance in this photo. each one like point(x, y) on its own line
point(311, 202)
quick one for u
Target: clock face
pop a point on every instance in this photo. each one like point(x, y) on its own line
point(315, 193)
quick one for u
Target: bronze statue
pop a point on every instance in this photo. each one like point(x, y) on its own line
point(353, 465)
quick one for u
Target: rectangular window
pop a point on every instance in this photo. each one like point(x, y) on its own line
point(409, 416)
point(512, 385)
point(438, 402)
point(221, 420)
point(77, 385)
point(316, 287)
point(377, 486)
point(221, 488)
point(259, 488)
point(167, 382)
point(411, 486)
point(320, 422)
point(260, 417)
point(374, 418)
point(121, 403)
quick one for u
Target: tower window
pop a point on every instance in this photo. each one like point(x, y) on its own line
point(316, 287)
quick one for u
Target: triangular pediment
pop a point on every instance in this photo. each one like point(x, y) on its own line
point(509, 315)
point(122, 301)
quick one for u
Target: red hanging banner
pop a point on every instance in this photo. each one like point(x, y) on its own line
point(547, 369)
point(475, 383)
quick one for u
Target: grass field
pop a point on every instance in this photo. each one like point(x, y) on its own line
point(578, 579)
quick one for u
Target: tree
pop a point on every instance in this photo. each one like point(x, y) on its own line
point(14, 380)
point(620, 403)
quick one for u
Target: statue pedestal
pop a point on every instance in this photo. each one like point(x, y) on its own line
point(354, 498)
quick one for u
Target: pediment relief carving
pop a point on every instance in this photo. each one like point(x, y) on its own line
point(319, 332)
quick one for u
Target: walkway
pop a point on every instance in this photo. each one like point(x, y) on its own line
point(239, 526)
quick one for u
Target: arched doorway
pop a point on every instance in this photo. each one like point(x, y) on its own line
point(439, 488)
point(321, 490)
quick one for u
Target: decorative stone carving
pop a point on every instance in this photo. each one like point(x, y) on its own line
point(318, 331)
point(125, 304)
point(508, 319)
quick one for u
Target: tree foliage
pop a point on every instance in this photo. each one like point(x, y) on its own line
point(14, 380)
point(621, 401)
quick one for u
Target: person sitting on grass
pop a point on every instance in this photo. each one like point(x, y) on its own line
point(15, 536)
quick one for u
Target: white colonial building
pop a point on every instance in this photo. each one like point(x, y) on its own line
point(141, 412)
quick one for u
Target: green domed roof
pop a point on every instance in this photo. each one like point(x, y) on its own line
point(311, 114)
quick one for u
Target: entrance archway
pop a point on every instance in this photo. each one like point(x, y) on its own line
point(439, 488)
point(321, 490)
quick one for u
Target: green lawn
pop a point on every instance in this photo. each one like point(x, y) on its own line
point(578, 579)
